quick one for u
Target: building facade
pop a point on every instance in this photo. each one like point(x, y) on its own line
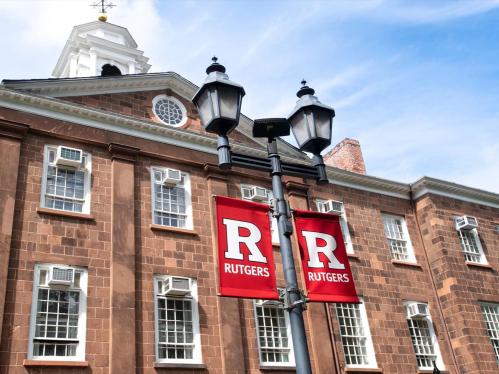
point(108, 242)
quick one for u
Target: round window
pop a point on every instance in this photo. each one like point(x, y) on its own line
point(169, 110)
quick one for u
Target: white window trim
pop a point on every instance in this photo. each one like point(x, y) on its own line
point(196, 353)
point(490, 305)
point(439, 361)
point(369, 342)
point(188, 200)
point(82, 319)
point(176, 101)
point(291, 363)
point(474, 232)
point(347, 238)
point(411, 257)
point(86, 181)
point(274, 231)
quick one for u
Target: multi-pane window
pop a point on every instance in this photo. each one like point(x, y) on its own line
point(398, 238)
point(57, 330)
point(325, 206)
point(66, 179)
point(171, 200)
point(491, 316)
point(273, 333)
point(423, 336)
point(177, 322)
point(472, 248)
point(169, 110)
point(264, 196)
point(355, 335)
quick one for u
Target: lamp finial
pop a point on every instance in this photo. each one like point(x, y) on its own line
point(305, 90)
point(215, 66)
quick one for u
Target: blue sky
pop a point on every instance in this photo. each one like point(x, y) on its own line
point(416, 82)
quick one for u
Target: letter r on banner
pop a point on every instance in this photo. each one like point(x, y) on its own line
point(234, 244)
point(327, 249)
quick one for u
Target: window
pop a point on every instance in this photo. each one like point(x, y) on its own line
point(58, 313)
point(322, 207)
point(66, 179)
point(423, 338)
point(472, 248)
point(264, 196)
point(273, 334)
point(171, 202)
point(355, 335)
point(169, 110)
point(398, 238)
point(176, 320)
point(491, 316)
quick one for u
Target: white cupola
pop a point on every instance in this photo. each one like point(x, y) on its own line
point(99, 45)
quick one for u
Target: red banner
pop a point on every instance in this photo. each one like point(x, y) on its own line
point(245, 261)
point(324, 259)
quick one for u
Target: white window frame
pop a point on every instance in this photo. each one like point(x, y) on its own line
point(82, 319)
point(274, 232)
point(474, 234)
point(434, 341)
point(347, 238)
point(196, 353)
point(86, 181)
point(411, 258)
point(276, 305)
point(371, 356)
point(176, 101)
point(492, 327)
point(187, 194)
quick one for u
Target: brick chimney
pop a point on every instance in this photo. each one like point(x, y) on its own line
point(346, 155)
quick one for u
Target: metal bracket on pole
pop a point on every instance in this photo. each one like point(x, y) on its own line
point(288, 305)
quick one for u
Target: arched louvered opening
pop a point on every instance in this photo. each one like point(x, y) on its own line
point(109, 70)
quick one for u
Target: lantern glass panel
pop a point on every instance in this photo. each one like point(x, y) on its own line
point(205, 107)
point(299, 127)
point(229, 101)
point(323, 124)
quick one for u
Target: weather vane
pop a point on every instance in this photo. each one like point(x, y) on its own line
point(103, 5)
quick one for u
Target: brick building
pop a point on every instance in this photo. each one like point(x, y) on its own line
point(106, 187)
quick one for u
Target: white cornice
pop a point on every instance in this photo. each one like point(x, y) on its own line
point(428, 185)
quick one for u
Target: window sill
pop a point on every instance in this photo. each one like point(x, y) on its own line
point(277, 368)
point(353, 255)
point(406, 263)
point(479, 265)
point(173, 229)
point(63, 213)
point(46, 363)
point(430, 371)
point(363, 370)
point(179, 365)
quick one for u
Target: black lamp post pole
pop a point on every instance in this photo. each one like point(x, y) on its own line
point(294, 297)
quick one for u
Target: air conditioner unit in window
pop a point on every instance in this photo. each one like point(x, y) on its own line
point(177, 286)
point(332, 206)
point(417, 310)
point(466, 223)
point(269, 303)
point(61, 276)
point(258, 194)
point(68, 156)
point(172, 177)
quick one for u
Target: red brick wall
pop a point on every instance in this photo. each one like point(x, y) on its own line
point(461, 286)
point(346, 155)
point(384, 285)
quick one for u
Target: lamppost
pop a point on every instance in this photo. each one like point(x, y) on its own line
point(218, 102)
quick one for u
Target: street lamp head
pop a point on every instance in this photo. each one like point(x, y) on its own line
point(218, 101)
point(311, 121)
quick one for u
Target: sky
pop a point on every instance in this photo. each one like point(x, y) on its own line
point(416, 82)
